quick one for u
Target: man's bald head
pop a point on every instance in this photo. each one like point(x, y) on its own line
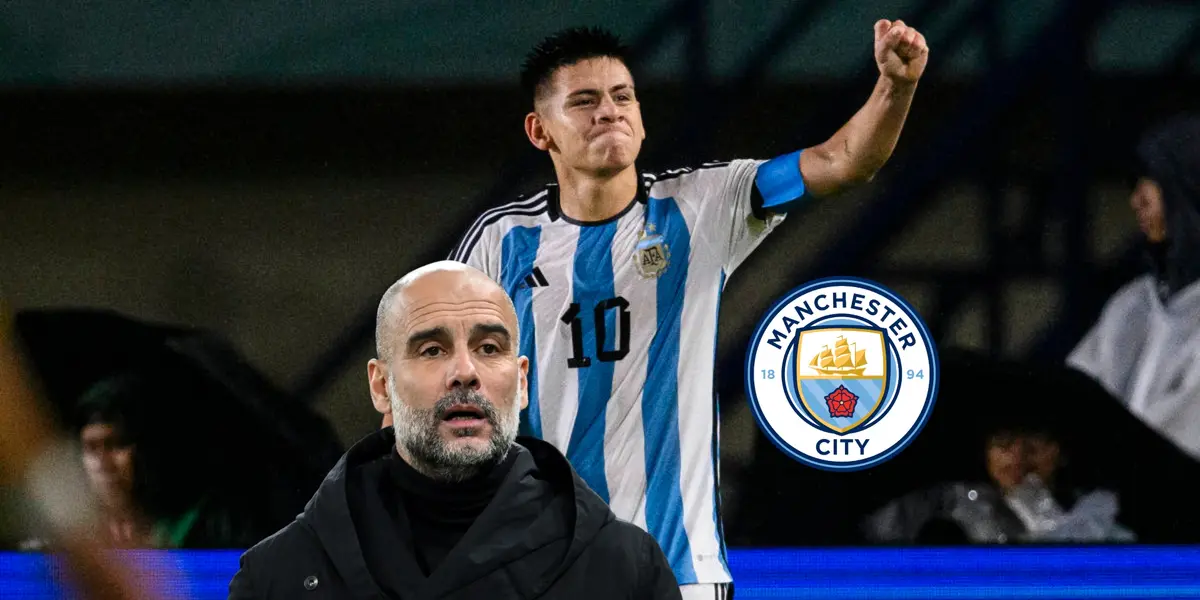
point(448, 281)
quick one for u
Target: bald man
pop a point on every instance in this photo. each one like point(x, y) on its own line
point(448, 502)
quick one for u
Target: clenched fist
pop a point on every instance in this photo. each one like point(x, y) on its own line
point(900, 51)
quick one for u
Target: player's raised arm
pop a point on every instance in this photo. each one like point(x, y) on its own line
point(861, 147)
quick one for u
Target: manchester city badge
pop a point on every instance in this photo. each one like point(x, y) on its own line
point(651, 256)
point(841, 374)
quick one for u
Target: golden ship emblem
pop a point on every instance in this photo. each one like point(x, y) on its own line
point(844, 359)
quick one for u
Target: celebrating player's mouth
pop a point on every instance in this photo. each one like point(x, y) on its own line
point(607, 130)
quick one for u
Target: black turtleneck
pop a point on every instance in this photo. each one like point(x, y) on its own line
point(440, 512)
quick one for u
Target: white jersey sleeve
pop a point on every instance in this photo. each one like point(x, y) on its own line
point(737, 204)
point(482, 246)
point(483, 253)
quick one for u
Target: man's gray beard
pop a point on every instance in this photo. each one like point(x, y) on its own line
point(417, 433)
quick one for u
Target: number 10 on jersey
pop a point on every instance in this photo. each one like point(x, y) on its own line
point(600, 314)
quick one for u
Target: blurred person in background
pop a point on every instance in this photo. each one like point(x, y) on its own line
point(42, 466)
point(149, 496)
point(108, 455)
point(1027, 495)
point(231, 456)
point(1145, 347)
point(618, 276)
point(449, 502)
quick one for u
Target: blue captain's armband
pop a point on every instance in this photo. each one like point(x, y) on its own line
point(779, 182)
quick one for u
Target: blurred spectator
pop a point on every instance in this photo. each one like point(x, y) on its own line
point(150, 495)
point(106, 437)
point(211, 431)
point(1026, 496)
point(39, 465)
point(1145, 347)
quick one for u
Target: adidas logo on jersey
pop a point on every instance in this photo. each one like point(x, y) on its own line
point(535, 279)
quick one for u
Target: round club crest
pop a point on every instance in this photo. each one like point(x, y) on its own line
point(841, 374)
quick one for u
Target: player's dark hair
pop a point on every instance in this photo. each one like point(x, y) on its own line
point(566, 48)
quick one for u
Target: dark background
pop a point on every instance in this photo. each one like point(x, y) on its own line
point(265, 169)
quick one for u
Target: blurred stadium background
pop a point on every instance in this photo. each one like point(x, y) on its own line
point(261, 171)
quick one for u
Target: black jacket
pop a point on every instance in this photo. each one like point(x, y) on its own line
point(545, 535)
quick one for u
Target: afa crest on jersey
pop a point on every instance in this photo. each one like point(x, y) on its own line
point(652, 255)
point(841, 374)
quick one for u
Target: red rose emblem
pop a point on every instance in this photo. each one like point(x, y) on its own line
point(841, 402)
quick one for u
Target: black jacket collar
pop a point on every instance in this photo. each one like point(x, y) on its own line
point(541, 502)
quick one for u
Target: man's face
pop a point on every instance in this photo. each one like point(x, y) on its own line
point(1005, 459)
point(454, 382)
point(108, 463)
point(1011, 457)
point(1043, 456)
point(590, 119)
point(1147, 203)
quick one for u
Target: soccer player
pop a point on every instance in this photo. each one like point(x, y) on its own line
point(616, 277)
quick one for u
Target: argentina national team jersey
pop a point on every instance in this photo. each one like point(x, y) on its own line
point(619, 321)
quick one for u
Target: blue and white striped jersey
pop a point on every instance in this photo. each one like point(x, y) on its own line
point(619, 321)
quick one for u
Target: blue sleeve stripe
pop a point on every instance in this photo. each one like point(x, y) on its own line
point(779, 181)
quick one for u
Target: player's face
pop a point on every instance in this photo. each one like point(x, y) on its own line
point(1147, 203)
point(591, 120)
point(457, 383)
